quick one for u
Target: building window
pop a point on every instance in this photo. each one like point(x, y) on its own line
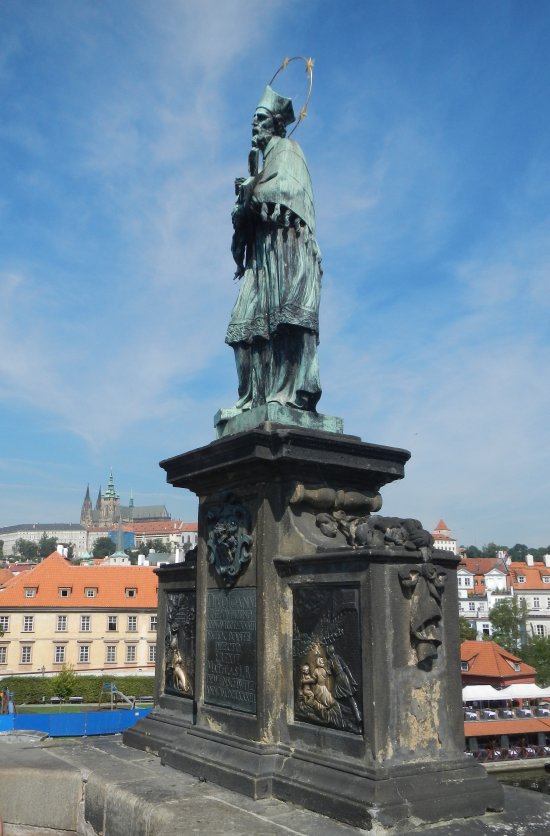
point(536, 603)
point(152, 653)
point(516, 667)
point(112, 623)
point(467, 581)
point(28, 623)
point(153, 621)
point(64, 591)
point(548, 603)
point(464, 666)
point(110, 653)
point(59, 655)
point(521, 578)
point(61, 623)
point(539, 629)
point(26, 654)
point(5, 622)
point(84, 653)
point(90, 592)
point(131, 592)
point(3, 654)
point(485, 629)
point(471, 606)
point(132, 623)
point(131, 652)
point(30, 591)
point(85, 623)
point(546, 578)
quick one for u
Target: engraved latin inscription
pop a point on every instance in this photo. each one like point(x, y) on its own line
point(230, 678)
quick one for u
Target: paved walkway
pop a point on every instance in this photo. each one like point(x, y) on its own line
point(126, 792)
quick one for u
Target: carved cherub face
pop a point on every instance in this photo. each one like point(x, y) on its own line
point(263, 128)
point(305, 668)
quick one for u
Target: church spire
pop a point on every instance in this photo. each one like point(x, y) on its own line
point(86, 512)
point(110, 493)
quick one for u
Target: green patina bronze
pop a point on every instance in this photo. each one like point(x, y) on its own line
point(274, 327)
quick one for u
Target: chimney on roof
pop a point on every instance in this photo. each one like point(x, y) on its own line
point(529, 559)
point(546, 559)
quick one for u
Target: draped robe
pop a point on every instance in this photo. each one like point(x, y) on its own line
point(274, 326)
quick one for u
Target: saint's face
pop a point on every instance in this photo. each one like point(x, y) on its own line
point(262, 128)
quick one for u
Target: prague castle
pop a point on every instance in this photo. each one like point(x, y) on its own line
point(108, 511)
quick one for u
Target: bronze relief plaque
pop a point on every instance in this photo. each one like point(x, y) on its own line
point(179, 641)
point(230, 674)
point(327, 657)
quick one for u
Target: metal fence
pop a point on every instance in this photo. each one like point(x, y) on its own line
point(79, 724)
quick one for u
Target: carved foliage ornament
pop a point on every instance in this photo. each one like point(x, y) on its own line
point(229, 543)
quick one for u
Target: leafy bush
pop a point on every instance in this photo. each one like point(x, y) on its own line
point(31, 689)
point(65, 683)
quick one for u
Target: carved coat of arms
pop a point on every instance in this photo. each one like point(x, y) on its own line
point(229, 542)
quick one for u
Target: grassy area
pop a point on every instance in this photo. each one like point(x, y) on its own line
point(54, 709)
point(72, 709)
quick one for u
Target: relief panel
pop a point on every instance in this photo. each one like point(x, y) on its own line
point(327, 657)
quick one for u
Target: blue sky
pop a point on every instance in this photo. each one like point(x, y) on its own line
point(123, 125)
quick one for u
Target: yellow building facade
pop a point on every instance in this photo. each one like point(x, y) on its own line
point(97, 619)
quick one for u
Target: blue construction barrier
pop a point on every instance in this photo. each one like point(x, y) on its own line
point(79, 724)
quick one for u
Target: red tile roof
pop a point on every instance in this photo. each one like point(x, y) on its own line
point(111, 582)
point(442, 526)
point(533, 576)
point(5, 576)
point(164, 526)
point(489, 660)
point(484, 728)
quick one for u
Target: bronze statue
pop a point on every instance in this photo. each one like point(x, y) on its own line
point(274, 327)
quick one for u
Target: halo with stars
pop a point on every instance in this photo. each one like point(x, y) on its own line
point(309, 70)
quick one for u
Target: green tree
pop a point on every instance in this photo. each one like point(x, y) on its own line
point(46, 545)
point(473, 551)
point(26, 549)
point(537, 653)
point(508, 619)
point(104, 546)
point(518, 552)
point(467, 632)
point(64, 684)
point(1, 548)
point(491, 549)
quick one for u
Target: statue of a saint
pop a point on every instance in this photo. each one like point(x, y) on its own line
point(274, 327)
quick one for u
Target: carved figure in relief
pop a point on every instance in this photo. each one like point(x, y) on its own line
point(345, 686)
point(424, 584)
point(307, 680)
point(180, 680)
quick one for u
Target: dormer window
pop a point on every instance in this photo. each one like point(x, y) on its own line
point(64, 591)
point(521, 578)
point(30, 591)
point(90, 592)
point(546, 578)
point(516, 667)
point(464, 666)
point(131, 592)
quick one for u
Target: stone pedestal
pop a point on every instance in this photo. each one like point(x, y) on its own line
point(311, 654)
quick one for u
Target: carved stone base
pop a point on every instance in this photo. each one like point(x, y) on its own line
point(229, 421)
point(322, 649)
